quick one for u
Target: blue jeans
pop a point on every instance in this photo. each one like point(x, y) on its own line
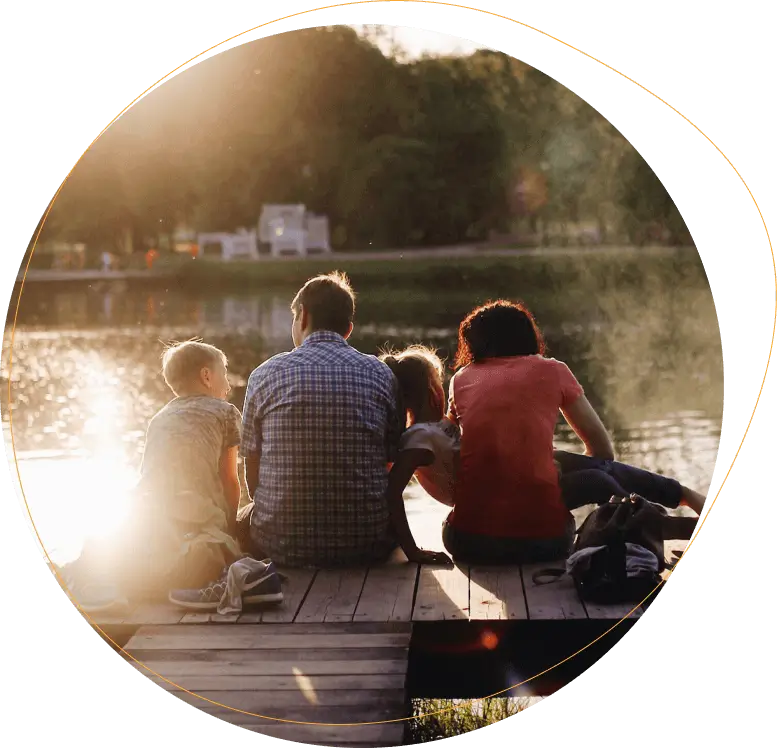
point(589, 480)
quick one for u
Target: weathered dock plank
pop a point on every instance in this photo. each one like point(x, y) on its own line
point(612, 612)
point(215, 636)
point(673, 549)
point(210, 618)
point(270, 655)
point(289, 666)
point(373, 735)
point(155, 613)
point(496, 594)
point(333, 596)
point(347, 716)
point(295, 682)
point(295, 588)
point(443, 594)
point(388, 593)
point(557, 600)
point(269, 681)
point(400, 592)
point(273, 704)
point(112, 617)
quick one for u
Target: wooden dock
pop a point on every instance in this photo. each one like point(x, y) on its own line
point(328, 665)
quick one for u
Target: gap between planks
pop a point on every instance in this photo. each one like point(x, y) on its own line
point(381, 593)
point(399, 592)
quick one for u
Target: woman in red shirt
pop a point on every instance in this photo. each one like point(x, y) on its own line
point(509, 505)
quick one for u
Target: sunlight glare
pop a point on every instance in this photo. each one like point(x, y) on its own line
point(305, 685)
point(72, 499)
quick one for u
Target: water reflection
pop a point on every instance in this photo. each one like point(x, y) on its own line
point(85, 378)
point(72, 498)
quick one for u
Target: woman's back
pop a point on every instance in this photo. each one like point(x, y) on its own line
point(507, 408)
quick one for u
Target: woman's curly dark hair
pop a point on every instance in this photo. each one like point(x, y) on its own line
point(497, 329)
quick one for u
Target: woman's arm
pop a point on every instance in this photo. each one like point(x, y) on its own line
point(230, 482)
point(401, 473)
point(585, 422)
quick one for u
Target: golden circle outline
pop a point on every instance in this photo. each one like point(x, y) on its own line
point(248, 31)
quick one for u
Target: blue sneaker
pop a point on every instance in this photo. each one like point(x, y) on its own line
point(258, 587)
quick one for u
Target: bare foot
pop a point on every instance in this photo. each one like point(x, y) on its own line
point(692, 499)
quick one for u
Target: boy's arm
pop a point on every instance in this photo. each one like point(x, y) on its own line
point(241, 474)
point(230, 482)
point(406, 463)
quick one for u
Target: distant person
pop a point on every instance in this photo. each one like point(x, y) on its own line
point(107, 261)
point(320, 425)
point(151, 256)
point(491, 457)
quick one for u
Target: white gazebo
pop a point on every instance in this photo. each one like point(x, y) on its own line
point(317, 233)
point(239, 246)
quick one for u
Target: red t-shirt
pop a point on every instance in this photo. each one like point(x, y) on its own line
point(507, 409)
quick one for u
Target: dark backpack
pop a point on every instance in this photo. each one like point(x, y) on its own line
point(604, 578)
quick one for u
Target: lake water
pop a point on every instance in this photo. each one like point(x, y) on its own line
point(84, 376)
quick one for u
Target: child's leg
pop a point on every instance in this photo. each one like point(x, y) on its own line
point(654, 487)
point(570, 462)
point(583, 487)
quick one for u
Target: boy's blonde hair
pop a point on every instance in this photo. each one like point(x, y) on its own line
point(183, 362)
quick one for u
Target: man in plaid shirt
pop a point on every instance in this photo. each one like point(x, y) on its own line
point(320, 425)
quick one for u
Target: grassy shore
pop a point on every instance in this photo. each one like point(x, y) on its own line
point(435, 719)
point(500, 272)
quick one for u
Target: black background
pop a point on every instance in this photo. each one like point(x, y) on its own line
point(690, 671)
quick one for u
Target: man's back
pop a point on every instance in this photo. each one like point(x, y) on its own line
point(322, 420)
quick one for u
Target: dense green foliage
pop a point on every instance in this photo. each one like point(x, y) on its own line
point(396, 153)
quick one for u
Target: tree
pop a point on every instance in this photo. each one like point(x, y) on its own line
point(389, 197)
point(394, 151)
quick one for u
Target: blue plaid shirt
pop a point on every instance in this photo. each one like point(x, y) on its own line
point(323, 420)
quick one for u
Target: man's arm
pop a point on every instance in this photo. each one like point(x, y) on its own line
point(251, 445)
point(406, 463)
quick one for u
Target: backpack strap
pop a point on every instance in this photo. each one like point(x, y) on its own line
point(548, 575)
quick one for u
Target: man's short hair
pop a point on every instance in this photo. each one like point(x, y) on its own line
point(329, 301)
point(183, 362)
